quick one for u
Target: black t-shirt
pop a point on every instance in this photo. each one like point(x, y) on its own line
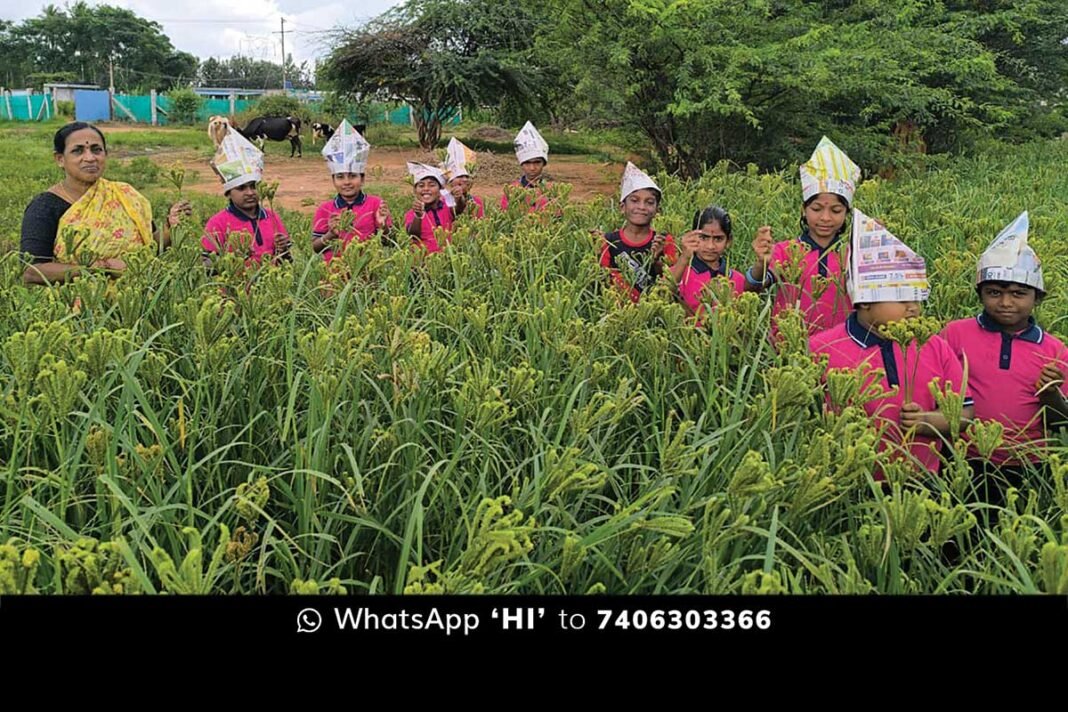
point(40, 223)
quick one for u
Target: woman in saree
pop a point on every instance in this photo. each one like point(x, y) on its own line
point(86, 221)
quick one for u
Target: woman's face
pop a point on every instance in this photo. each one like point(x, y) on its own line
point(428, 191)
point(825, 216)
point(84, 156)
point(713, 245)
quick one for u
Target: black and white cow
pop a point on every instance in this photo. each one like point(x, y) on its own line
point(275, 128)
point(321, 131)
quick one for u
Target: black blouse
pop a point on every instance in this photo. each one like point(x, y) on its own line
point(40, 223)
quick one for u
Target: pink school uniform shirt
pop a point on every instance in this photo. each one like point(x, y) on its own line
point(833, 306)
point(475, 207)
point(263, 229)
point(699, 273)
point(440, 216)
point(852, 345)
point(363, 219)
point(1002, 371)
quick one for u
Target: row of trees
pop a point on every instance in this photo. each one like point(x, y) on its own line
point(86, 44)
point(745, 80)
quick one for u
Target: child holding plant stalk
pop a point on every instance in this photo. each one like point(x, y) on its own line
point(351, 214)
point(532, 152)
point(808, 268)
point(239, 166)
point(703, 258)
point(637, 245)
point(434, 209)
point(886, 333)
point(1016, 370)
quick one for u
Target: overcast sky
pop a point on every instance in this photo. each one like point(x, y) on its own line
point(209, 28)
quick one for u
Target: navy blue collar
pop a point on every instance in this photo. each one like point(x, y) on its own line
point(700, 266)
point(1032, 333)
point(340, 203)
point(241, 215)
point(865, 337)
point(807, 239)
point(526, 183)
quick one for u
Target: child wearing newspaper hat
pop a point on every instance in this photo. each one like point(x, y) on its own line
point(434, 209)
point(346, 155)
point(532, 152)
point(459, 165)
point(808, 269)
point(636, 247)
point(887, 282)
point(1016, 370)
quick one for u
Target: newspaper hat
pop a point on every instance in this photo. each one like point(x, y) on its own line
point(459, 159)
point(829, 170)
point(635, 179)
point(237, 161)
point(530, 145)
point(419, 171)
point(1010, 259)
point(347, 150)
point(882, 268)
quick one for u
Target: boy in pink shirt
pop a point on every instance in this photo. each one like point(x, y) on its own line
point(459, 162)
point(1016, 371)
point(828, 182)
point(431, 215)
point(244, 223)
point(885, 293)
point(532, 152)
point(346, 155)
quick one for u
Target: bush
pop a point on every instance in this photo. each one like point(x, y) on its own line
point(280, 105)
point(185, 103)
point(65, 108)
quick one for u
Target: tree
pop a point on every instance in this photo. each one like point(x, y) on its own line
point(248, 73)
point(86, 41)
point(439, 55)
point(761, 80)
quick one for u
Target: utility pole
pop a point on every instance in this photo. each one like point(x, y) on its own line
point(111, 75)
point(284, 56)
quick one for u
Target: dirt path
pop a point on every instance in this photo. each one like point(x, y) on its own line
point(305, 181)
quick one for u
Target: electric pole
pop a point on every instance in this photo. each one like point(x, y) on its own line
point(284, 56)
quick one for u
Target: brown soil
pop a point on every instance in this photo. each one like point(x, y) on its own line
point(305, 181)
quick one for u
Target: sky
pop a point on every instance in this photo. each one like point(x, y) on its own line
point(209, 28)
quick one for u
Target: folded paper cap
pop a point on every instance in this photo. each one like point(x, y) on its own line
point(882, 268)
point(459, 159)
point(347, 150)
point(829, 170)
point(419, 171)
point(1010, 259)
point(237, 161)
point(635, 179)
point(530, 145)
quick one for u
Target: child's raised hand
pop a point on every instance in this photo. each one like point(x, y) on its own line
point(1051, 376)
point(382, 215)
point(690, 242)
point(912, 415)
point(658, 246)
point(178, 211)
point(418, 207)
point(763, 243)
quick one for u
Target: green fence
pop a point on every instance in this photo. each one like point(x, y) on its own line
point(20, 106)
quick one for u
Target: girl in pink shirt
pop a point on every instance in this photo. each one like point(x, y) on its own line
point(704, 257)
point(370, 215)
point(430, 217)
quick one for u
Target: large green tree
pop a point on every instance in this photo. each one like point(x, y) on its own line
point(439, 55)
point(760, 80)
point(87, 41)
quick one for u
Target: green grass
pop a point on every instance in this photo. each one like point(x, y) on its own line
point(490, 420)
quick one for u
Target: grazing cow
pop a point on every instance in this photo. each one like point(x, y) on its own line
point(321, 131)
point(217, 128)
point(275, 128)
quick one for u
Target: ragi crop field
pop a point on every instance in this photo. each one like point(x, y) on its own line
point(493, 418)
